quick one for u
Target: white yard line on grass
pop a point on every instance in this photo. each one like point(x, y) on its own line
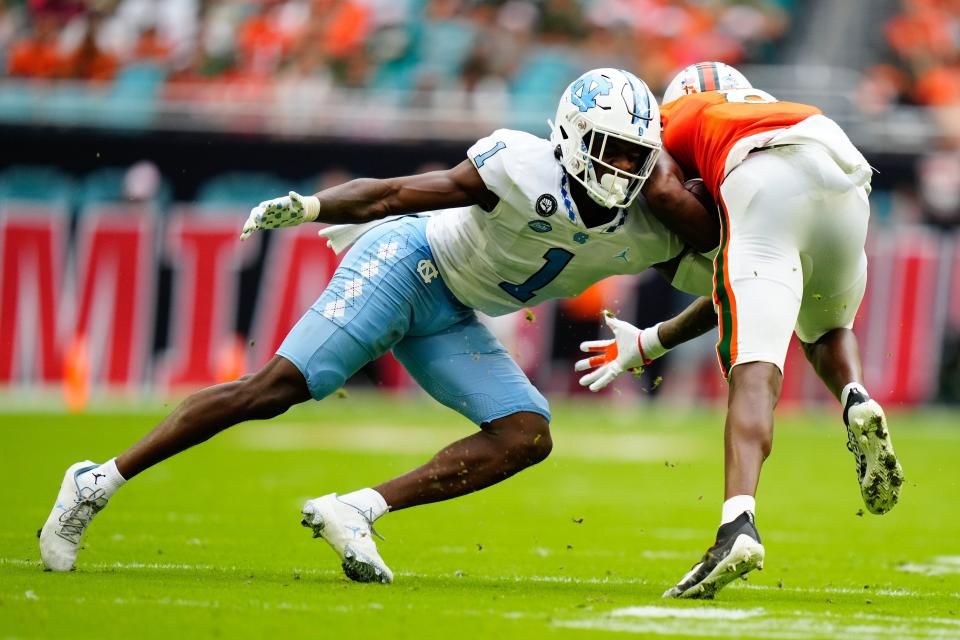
point(648, 554)
point(163, 566)
point(373, 438)
point(166, 566)
point(179, 602)
point(719, 622)
point(568, 580)
point(775, 628)
point(828, 590)
point(610, 580)
point(690, 613)
point(715, 622)
point(613, 580)
point(936, 566)
point(707, 621)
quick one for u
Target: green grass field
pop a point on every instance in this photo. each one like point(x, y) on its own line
point(209, 543)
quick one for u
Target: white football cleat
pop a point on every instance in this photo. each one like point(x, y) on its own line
point(350, 533)
point(878, 469)
point(75, 507)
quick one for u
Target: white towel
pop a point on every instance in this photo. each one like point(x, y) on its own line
point(819, 130)
point(822, 130)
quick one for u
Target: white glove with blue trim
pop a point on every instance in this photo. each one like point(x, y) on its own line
point(286, 211)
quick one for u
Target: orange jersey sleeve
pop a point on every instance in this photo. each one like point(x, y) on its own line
point(700, 129)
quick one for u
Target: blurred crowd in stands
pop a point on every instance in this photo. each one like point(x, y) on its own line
point(508, 46)
point(922, 68)
point(924, 39)
point(493, 56)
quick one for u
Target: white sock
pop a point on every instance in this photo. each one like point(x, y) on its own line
point(366, 501)
point(106, 477)
point(736, 505)
point(850, 387)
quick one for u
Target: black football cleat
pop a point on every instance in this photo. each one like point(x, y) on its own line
point(736, 552)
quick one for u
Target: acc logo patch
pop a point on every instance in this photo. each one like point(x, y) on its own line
point(546, 205)
point(580, 237)
point(540, 226)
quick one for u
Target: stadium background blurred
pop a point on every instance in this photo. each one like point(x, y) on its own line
point(138, 133)
point(135, 135)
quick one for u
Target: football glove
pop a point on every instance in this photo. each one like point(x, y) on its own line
point(286, 211)
point(629, 349)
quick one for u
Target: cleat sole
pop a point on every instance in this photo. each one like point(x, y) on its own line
point(359, 568)
point(878, 469)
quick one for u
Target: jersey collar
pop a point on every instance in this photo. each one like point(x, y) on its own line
point(567, 200)
point(619, 222)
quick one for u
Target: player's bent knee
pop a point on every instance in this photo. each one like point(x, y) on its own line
point(262, 402)
point(272, 390)
point(757, 383)
point(525, 436)
point(536, 447)
point(762, 436)
point(754, 429)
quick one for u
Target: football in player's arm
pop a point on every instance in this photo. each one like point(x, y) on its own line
point(677, 207)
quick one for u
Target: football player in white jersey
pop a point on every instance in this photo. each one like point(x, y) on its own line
point(522, 220)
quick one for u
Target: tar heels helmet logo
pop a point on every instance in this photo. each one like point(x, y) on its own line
point(600, 116)
point(587, 88)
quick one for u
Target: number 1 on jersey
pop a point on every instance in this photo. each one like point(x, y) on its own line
point(556, 259)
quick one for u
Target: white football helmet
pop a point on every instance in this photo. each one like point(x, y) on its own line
point(601, 105)
point(705, 76)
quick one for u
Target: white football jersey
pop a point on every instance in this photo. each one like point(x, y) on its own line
point(533, 246)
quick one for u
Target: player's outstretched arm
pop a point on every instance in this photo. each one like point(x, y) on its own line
point(692, 322)
point(680, 210)
point(632, 348)
point(366, 199)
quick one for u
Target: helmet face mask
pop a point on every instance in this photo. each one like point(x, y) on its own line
point(704, 76)
point(608, 132)
point(609, 184)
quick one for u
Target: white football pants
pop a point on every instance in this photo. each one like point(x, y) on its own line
point(791, 253)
